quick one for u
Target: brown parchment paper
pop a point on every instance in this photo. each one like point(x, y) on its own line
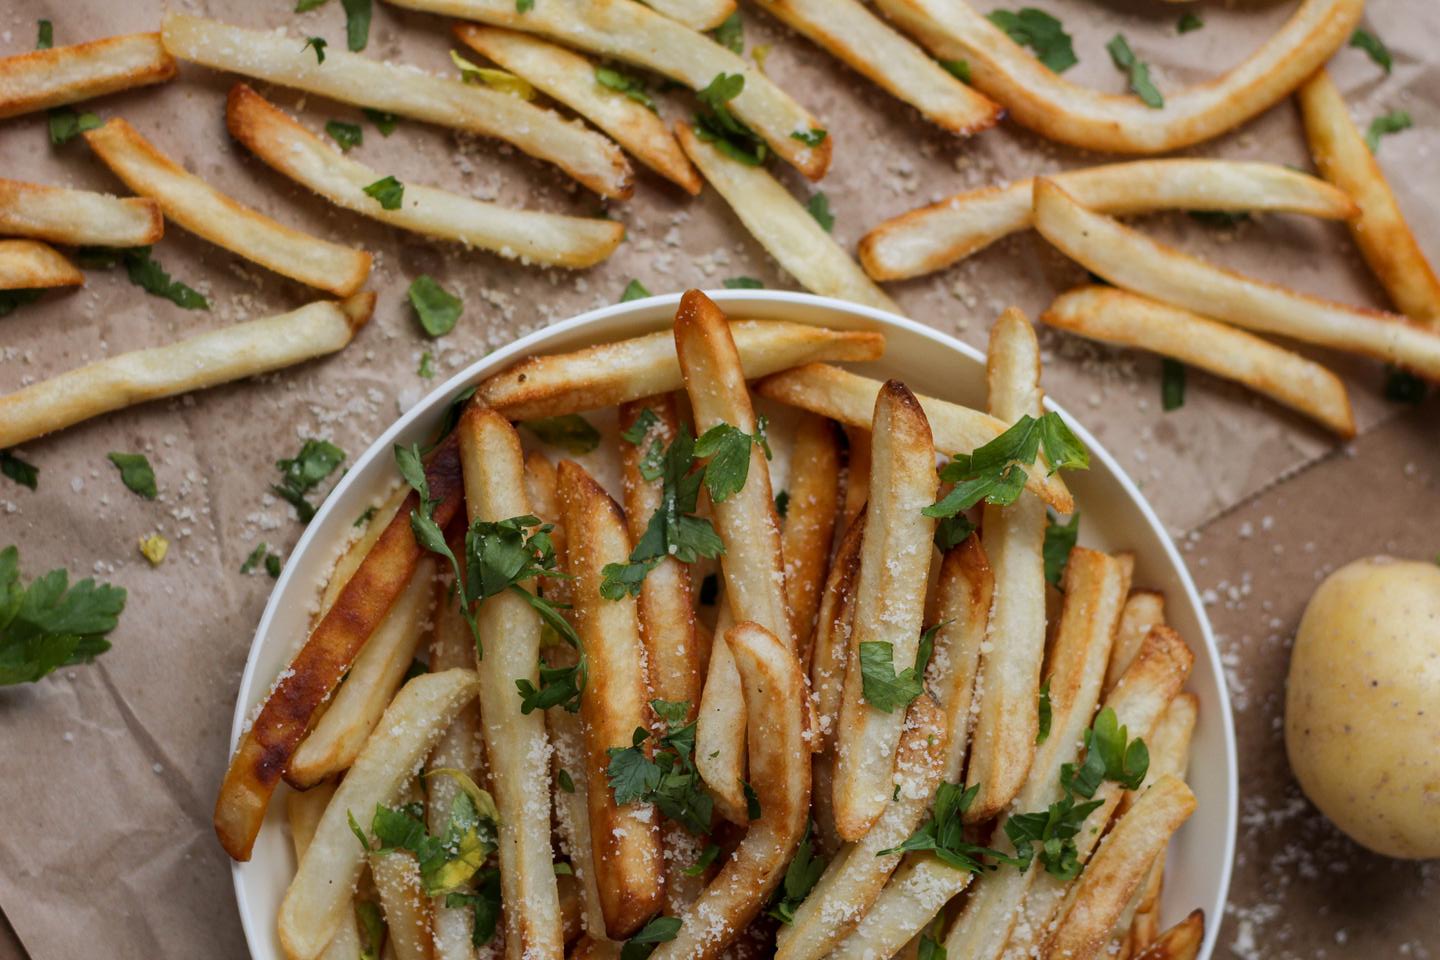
point(108, 771)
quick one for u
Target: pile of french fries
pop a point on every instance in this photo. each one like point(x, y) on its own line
point(799, 839)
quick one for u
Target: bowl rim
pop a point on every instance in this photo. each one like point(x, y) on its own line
point(439, 397)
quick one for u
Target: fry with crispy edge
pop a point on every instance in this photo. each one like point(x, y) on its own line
point(208, 213)
point(1059, 110)
point(916, 893)
point(230, 353)
point(696, 14)
point(1169, 754)
point(612, 705)
point(1180, 942)
point(1380, 231)
point(933, 237)
point(774, 692)
point(784, 228)
point(266, 748)
point(402, 901)
point(356, 551)
point(850, 399)
point(1131, 260)
point(1143, 609)
point(808, 529)
point(964, 594)
point(303, 810)
point(515, 743)
point(829, 654)
point(857, 472)
point(351, 78)
point(78, 217)
point(32, 265)
point(61, 75)
point(531, 236)
point(321, 892)
point(569, 78)
point(889, 605)
point(632, 32)
point(1112, 315)
point(609, 374)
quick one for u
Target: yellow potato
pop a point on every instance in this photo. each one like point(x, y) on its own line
point(1361, 726)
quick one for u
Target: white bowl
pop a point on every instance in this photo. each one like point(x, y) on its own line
point(1116, 517)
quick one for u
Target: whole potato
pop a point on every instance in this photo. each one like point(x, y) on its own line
point(1362, 715)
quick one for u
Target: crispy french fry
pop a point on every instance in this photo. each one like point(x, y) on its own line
point(1169, 754)
point(864, 42)
point(570, 908)
point(857, 472)
point(890, 603)
point(32, 265)
point(1180, 942)
point(632, 32)
point(374, 676)
point(318, 897)
point(402, 901)
point(515, 743)
point(268, 745)
point(61, 75)
point(696, 14)
point(829, 655)
point(1112, 315)
point(1128, 259)
point(541, 486)
point(808, 528)
point(774, 691)
point(356, 551)
point(572, 815)
point(351, 78)
point(303, 809)
point(1380, 231)
point(855, 877)
point(77, 217)
point(1143, 609)
point(569, 78)
point(963, 599)
point(615, 373)
point(850, 399)
point(932, 237)
point(1059, 110)
point(530, 236)
point(784, 228)
point(916, 893)
point(612, 705)
point(230, 353)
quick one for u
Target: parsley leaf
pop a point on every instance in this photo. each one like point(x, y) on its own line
point(147, 274)
point(944, 833)
point(731, 33)
point(384, 121)
point(635, 290)
point(669, 780)
point(995, 472)
point(485, 901)
point(436, 308)
point(1385, 124)
point(357, 23)
point(368, 912)
point(559, 687)
point(565, 781)
point(1372, 45)
point(883, 688)
point(346, 135)
point(524, 6)
point(1172, 384)
point(658, 930)
point(303, 6)
point(449, 861)
point(366, 516)
point(256, 555)
point(752, 801)
point(1126, 761)
point(66, 124)
point(50, 624)
point(45, 35)
point(1188, 22)
point(1040, 32)
point(728, 450)
point(716, 124)
point(300, 474)
point(1060, 539)
point(318, 44)
point(135, 473)
point(632, 87)
point(272, 565)
point(1401, 386)
point(782, 503)
point(25, 474)
point(570, 431)
point(950, 532)
point(743, 283)
point(388, 192)
point(801, 876)
point(1050, 835)
point(1140, 83)
point(427, 366)
point(1046, 712)
point(811, 138)
point(959, 69)
point(707, 857)
point(645, 421)
point(819, 207)
point(931, 940)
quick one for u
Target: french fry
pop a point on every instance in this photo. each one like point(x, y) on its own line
point(784, 228)
point(963, 599)
point(77, 217)
point(916, 893)
point(774, 691)
point(351, 78)
point(266, 748)
point(356, 551)
point(933, 237)
point(402, 901)
point(808, 528)
point(864, 42)
point(31, 265)
point(829, 655)
point(320, 894)
point(1112, 315)
point(1059, 110)
point(1143, 609)
point(696, 14)
point(890, 603)
point(1132, 261)
point(572, 815)
point(1169, 754)
point(850, 399)
point(515, 743)
point(530, 236)
point(855, 877)
point(857, 472)
point(570, 908)
point(204, 360)
point(569, 78)
point(1180, 942)
point(52, 78)
point(1380, 231)
point(303, 810)
point(632, 32)
point(374, 676)
point(612, 705)
point(615, 373)
point(542, 487)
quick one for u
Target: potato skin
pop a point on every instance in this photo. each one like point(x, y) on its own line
point(1362, 712)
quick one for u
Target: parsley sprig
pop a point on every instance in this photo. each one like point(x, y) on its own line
point(669, 779)
point(883, 688)
point(1040, 32)
point(303, 472)
point(944, 833)
point(801, 875)
point(716, 124)
point(447, 862)
point(50, 624)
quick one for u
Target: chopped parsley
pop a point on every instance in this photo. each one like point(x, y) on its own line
point(995, 472)
point(883, 688)
point(1109, 755)
point(752, 801)
point(485, 901)
point(657, 931)
point(811, 138)
point(427, 366)
point(571, 431)
point(384, 121)
point(1040, 32)
point(45, 35)
point(145, 272)
point(731, 33)
point(346, 135)
point(1050, 834)
point(801, 876)
point(357, 23)
point(1188, 22)
point(1384, 125)
point(365, 517)
point(318, 44)
point(932, 940)
point(255, 558)
point(620, 82)
point(782, 503)
point(635, 290)
point(944, 833)
point(716, 124)
point(1060, 539)
point(563, 778)
point(304, 6)
point(23, 473)
point(669, 780)
point(447, 862)
point(301, 473)
point(388, 192)
point(707, 857)
point(1046, 715)
point(436, 308)
point(959, 69)
point(743, 283)
point(135, 473)
point(1140, 83)
point(66, 124)
point(524, 6)
point(819, 207)
point(1172, 384)
point(1372, 45)
point(49, 624)
point(727, 448)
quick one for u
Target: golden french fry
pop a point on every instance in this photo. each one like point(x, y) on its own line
point(632, 32)
point(914, 896)
point(61, 75)
point(784, 228)
point(1180, 942)
point(808, 529)
point(1112, 315)
point(320, 894)
point(303, 810)
point(1380, 231)
point(351, 78)
point(1169, 754)
point(1143, 609)
point(569, 78)
point(932, 237)
point(356, 551)
point(77, 217)
point(1129, 259)
point(963, 599)
point(530, 236)
point(850, 399)
point(32, 265)
point(774, 691)
point(374, 676)
point(1059, 110)
point(829, 655)
point(230, 353)
point(857, 471)
point(890, 603)
point(572, 815)
point(266, 748)
point(402, 901)
point(696, 14)
point(541, 486)
point(515, 743)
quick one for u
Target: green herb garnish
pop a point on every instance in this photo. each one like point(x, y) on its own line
point(135, 473)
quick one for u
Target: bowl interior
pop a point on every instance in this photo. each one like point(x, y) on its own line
point(1115, 517)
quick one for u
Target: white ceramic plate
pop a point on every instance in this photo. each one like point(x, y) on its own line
point(1115, 517)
